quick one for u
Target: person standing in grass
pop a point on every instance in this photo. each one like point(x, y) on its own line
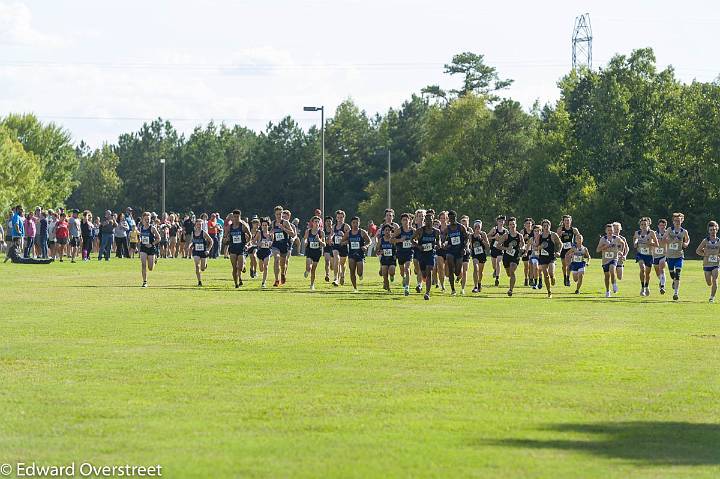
point(62, 232)
point(107, 229)
point(709, 249)
point(149, 239)
point(314, 242)
point(479, 245)
point(134, 238)
point(30, 230)
point(405, 249)
point(75, 234)
point(549, 249)
point(579, 259)
point(199, 247)
point(282, 231)
point(622, 255)
point(677, 239)
point(42, 235)
point(357, 240)
point(386, 250)
point(121, 236)
point(17, 227)
point(610, 247)
point(52, 240)
point(86, 230)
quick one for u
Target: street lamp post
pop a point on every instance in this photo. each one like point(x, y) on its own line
point(389, 178)
point(322, 161)
point(162, 162)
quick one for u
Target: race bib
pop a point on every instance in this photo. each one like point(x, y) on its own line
point(713, 258)
point(454, 240)
point(199, 247)
point(510, 252)
point(609, 254)
point(387, 252)
point(478, 250)
point(407, 244)
point(544, 252)
point(145, 240)
point(265, 243)
point(354, 245)
point(496, 244)
point(237, 239)
point(674, 246)
point(567, 245)
point(314, 245)
point(279, 236)
point(645, 251)
point(427, 247)
point(659, 251)
point(578, 258)
point(338, 239)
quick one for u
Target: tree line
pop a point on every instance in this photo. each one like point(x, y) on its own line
point(624, 141)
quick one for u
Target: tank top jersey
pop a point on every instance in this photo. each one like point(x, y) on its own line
point(512, 242)
point(567, 237)
point(146, 237)
point(712, 252)
point(675, 242)
point(355, 242)
point(659, 251)
point(611, 253)
point(427, 241)
point(387, 248)
point(477, 247)
point(237, 237)
point(199, 243)
point(577, 254)
point(406, 246)
point(443, 237)
point(280, 237)
point(338, 234)
point(455, 238)
point(313, 241)
point(547, 246)
point(496, 244)
point(265, 242)
point(527, 236)
point(643, 243)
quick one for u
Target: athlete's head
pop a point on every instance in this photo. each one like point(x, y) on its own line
point(529, 222)
point(567, 221)
point(355, 222)
point(387, 233)
point(477, 226)
point(389, 215)
point(278, 212)
point(340, 216)
point(146, 218)
point(546, 225)
point(609, 229)
point(405, 220)
point(662, 224)
point(286, 215)
point(255, 223)
point(265, 223)
point(617, 227)
point(443, 217)
point(512, 224)
point(315, 221)
point(198, 224)
point(328, 222)
point(645, 223)
point(465, 221)
point(452, 216)
point(678, 219)
point(430, 211)
point(429, 219)
point(713, 228)
point(500, 220)
point(537, 230)
point(579, 241)
point(419, 216)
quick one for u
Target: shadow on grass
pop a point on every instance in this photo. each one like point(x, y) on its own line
point(650, 443)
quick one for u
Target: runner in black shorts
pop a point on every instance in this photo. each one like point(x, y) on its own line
point(494, 236)
point(314, 241)
point(512, 246)
point(567, 234)
point(527, 232)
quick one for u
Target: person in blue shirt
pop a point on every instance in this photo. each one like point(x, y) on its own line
point(17, 227)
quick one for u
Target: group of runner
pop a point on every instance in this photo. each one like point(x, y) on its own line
point(437, 249)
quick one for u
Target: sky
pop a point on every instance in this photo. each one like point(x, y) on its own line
point(100, 69)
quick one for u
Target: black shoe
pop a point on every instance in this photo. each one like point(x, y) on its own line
point(418, 288)
point(199, 283)
point(427, 297)
point(526, 282)
point(497, 281)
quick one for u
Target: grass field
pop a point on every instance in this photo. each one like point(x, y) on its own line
point(216, 382)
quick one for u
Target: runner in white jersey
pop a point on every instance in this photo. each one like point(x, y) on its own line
point(677, 239)
point(644, 241)
point(709, 249)
point(659, 254)
point(610, 247)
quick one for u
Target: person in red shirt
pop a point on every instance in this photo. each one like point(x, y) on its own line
point(62, 232)
point(212, 229)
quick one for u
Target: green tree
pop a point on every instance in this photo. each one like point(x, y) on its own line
point(20, 173)
point(98, 182)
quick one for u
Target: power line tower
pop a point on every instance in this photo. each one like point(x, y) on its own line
point(582, 42)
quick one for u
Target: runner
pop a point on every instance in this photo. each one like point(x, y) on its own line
point(282, 231)
point(386, 251)
point(659, 254)
point(357, 241)
point(340, 250)
point(709, 249)
point(292, 239)
point(567, 233)
point(549, 250)
point(527, 232)
point(455, 241)
point(199, 247)
point(418, 222)
point(579, 259)
point(328, 249)
point(610, 246)
point(479, 244)
point(534, 258)
point(465, 222)
point(238, 235)
point(314, 242)
point(622, 255)
point(428, 239)
point(388, 222)
point(440, 270)
point(644, 240)
point(252, 247)
point(677, 239)
point(149, 239)
point(494, 236)
point(511, 244)
point(263, 240)
point(405, 249)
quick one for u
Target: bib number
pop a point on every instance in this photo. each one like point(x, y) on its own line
point(645, 251)
point(338, 239)
point(496, 245)
point(314, 245)
point(674, 246)
point(567, 245)
point(407, 244)
point(544, 252)
point(237, 239)
point(510, 252)
point(265, 243)
point(279, 236)
point(454, 240)
point(478, 250)
point(387, 252)
point(609, 255)
point(713, 258)
point(659, 251)
point(199, 247)
point(354, 245)
point(578, 259)
point(427, 247)
point(146, 240)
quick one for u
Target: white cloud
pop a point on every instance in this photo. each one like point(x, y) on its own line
point(16, 28)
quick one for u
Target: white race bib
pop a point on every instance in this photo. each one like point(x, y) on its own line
point(496, 244)
point(354, 245)
point(427, 247)
point(237, 239)
point(659, 251)
point(609, 254)
point(510, 252)
point(645, 250)
point(454, 240)
point(387, 252)
point(279, 236)
point(674, 246)
point(199, 247)
point(578, 258)
point(145, 240)
point(713, 258)
point(407, 244)
point(567, 245)
point(478, 250)
point(265, 243)
point(338, 239)
point(314, 245)
point(543, 252)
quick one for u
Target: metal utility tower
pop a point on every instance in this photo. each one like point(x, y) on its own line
point(582, 42)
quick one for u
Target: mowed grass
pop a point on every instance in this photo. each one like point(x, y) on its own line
point(216, 382)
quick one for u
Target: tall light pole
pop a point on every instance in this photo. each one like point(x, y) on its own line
point(389, 178)
point(322, 161)
point(162, 162)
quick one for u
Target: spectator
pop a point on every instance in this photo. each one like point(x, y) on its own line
point(42, 235)
point(75, 234)
point(17, 227)
point(129, 218)
point(134, 237)
point(107, 227)
point(30, 230)
point(212, 230)
point(52, 241)
point(86, 230)
point(62, 231)
point(121, 237)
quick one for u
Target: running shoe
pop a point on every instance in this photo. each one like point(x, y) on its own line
point(407, 291)
point(335, 283)
point(418, 288)
point(607, 294)
point(144, 285)
point(263, 285)
point(327, 278)
point(199, 283)
point(475, 289)
point(577, 291)
point(711, 300)
point(282, 279)
point(526, 282)
point(615, 288)
point(276, 284)
point(509, 293)
point(427, 297)
point(675, 297)
point(312, 287)
point(662, 290)
point(497, 281)
point(306, 273)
